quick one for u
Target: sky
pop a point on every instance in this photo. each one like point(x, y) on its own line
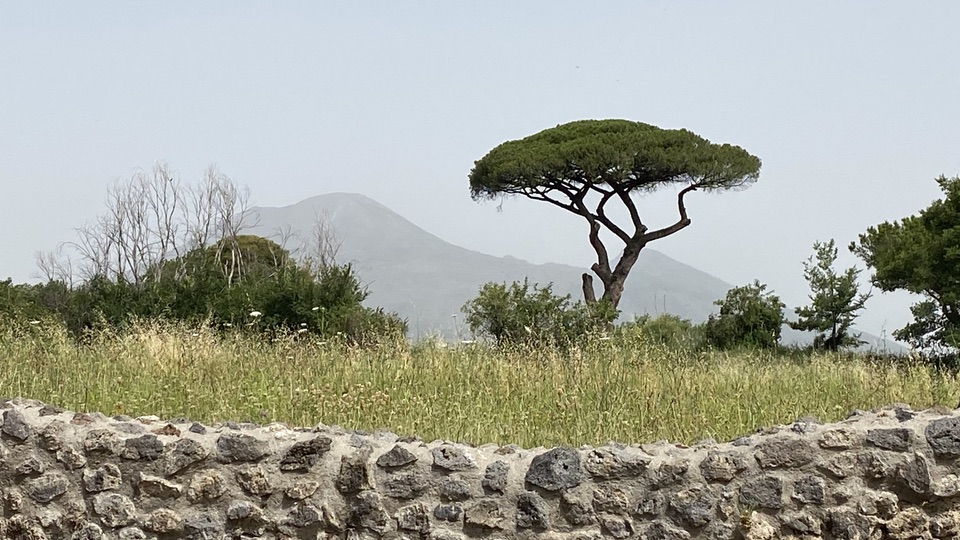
point(852, 107)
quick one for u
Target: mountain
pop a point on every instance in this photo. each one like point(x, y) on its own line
point(426, 279)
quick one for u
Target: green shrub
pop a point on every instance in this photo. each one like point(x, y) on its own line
point(748, 317)
point(519, 313)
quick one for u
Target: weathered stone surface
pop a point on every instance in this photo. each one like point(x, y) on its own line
point(669, 473)
point(206, 486)
point(943, 436)
point(115, 510)
point(303, 515)
point(232, 447)
point(909, 524)
point(302, 489)
point(367, 512)
point(872, 465)
point(616, 526)
point(662, 530)
point(653, 504)
point(413, 517)
point(896, 439)
point(839, 439)
point(154, 486)
point(454, 489)
point(611, 463)
point(254, 481)
point(576, 512)
point(302, 456)
point(611, 500)
point(693, 507)
point(495, 476)
point(846, 524)
point(163, 520)
point(397, 456)
point(31, 466)
point(47, 487)
point(241, 509)
point(103, 478)
point(71, 457)
point(448, 512)
point(762, 492)
point(532, 511)
point(485, 513)
point(809, 489)
point(783, 452)
point(915, 473)
point(453, 458)
point(181, 454)
point(760, 527)
point(101, 441)
point(404, 486)
point(945, 525)
point(15, 425)
point(145, 447)
point(555, 469)
point(721, 466)
point(202, 526)
point(51, 437)
point(803, 523)
point(354, 472)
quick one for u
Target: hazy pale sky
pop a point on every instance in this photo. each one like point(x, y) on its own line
point(852, 106)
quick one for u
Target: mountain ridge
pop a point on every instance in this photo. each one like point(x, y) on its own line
point(427, 279)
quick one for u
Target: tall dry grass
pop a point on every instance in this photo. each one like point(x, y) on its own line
point(622, 390)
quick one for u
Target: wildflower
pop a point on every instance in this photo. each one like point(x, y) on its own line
point(255, 313)
point(302, 330)
point(34, 322)
point(303, 325)
point(315, 308)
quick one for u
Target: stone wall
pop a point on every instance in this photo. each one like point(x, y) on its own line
point(890, 473)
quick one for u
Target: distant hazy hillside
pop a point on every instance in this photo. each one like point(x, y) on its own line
point(427, 279)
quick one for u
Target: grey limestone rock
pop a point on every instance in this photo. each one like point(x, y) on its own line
point(15, 425)
point(575, 511)
point(454, 489)
point(611, 500)
point(163, 520)
point(145, 447)
point(115, 510)
point(809, 489)
point(232, 447)
point(240, 509)
point(495, 476)
point(51, 437)
point(943, 436)
point(555, 469)
point(31, 466)
point(448, 512)
point(669, 473)
point(88, 531)
point(413, 518)
point(404, 486)
point(206, 486)
point(101, 441)
point(485, 513)
point(802, 523)
point(354, 473)
point(945, 525)
point(762, 492)
point(907, 525)
point(616, 526)
point(304, 514)
point(302, 489)
point(662, 530)
point(397, 456)
point(532, 511)
point(203, 526)
point(47, 487)
point(254, 481)
point(154, 486)
point(103, 478)
point(71, 457)
point(839, 439)
point(453, 458)
point(783, 452)
point(613, 463)
point(181, 454)
point(693, 507)
point(367, 512)
point(720, 466)
point(896, 439)
point(846, 524)
point(652, 504)
point(914, 472)
point(304, 455)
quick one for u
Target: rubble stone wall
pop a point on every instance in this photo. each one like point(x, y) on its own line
point(890, 473)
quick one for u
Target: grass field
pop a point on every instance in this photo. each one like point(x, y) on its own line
point(618, 390)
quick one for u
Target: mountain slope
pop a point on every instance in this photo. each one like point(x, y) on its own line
point(426, 279)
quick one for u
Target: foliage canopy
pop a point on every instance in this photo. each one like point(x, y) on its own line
point(749, 317)
point(582, 166)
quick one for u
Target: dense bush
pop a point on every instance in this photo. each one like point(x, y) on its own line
point(521, 313)
point(247, 283)
point(749, 317)
point(667, 330)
